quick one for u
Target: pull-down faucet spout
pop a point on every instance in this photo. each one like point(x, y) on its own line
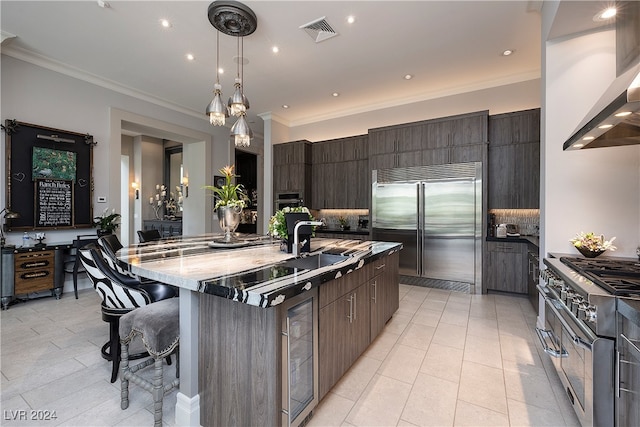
point(296, 237)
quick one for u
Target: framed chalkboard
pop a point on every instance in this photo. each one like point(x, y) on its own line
point(49, 177)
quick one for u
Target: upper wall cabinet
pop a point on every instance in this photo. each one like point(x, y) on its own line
point(453, 139)
point(292, 168)
point(514, 160)
point(339, 173)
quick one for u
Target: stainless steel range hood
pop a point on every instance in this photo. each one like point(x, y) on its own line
point(615, 119)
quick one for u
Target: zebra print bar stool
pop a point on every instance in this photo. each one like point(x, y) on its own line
point(158, 325)
point(120, 294)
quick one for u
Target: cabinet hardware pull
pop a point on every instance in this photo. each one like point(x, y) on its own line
point(350, 315)
point(380, 266)
point(355, 307)
point(375, 290)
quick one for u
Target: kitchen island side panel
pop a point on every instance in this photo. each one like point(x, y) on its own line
point(240, 364)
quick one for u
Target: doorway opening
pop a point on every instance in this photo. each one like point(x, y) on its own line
point(247, 171)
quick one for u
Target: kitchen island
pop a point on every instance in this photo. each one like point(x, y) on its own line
point(234, 303)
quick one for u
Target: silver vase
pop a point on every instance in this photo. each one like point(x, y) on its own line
point(229, 218)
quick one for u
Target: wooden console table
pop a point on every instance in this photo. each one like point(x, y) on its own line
point(167, 228)
point(35, 269)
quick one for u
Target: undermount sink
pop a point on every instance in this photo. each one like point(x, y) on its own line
point(314, 261)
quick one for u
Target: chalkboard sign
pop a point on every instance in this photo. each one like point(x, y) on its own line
point(45, 166)
point(54, 203)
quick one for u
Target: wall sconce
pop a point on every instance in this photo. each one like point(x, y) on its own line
point(134, 185)
point(185, 184)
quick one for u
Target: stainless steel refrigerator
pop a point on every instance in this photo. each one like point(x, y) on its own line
point(436, 213)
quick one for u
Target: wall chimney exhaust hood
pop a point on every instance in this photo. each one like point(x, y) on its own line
point(615, 119)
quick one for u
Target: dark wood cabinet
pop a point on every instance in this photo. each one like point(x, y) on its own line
point(506, 267)
point(292, 168)
point(514, 160)
point(340, 174)
point(454, 139)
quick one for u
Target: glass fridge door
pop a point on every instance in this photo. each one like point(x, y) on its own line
point(300, 342)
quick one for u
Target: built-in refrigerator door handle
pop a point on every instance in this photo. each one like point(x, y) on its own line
point(419, 234)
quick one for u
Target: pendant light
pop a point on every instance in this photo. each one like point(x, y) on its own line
point(216, 110)
point(234, 19)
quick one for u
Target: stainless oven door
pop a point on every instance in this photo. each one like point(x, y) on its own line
point(584, 362)
point(628, 358)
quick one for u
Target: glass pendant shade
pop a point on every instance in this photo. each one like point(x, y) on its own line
point(216, 110)
point(241, 133)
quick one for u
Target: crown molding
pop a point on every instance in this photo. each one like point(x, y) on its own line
point(59, 67)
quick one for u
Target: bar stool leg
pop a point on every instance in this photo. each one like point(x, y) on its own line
point(158, 393)
point(124, 382)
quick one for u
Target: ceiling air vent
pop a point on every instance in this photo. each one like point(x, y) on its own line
point(319, 30)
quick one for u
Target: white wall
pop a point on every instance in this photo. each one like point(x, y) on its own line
point(587, 190)
point(36, 95)
point(501, 99)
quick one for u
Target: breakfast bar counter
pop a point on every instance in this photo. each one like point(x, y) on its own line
point(231, 296)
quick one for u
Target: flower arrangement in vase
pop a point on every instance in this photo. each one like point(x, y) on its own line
point(591, 245)
point(166, 201)
point(230, 200)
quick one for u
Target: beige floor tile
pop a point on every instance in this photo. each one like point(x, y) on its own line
point(439, 295)
point(471, 415)
point(382, 345)
point(485, 311)
point(482, 350)
point(381, 403)
point(519, 350)
point(457, 305)
point(521, 414)
point(530, 389)
point(408, 306)
point(432, 402)
point(481, 327)
point(402, 363)
point(417, 336)
point(398, 323)
point(450, 335)
point(434, 305)
point(354, 381)
point(426, 317)
point(483, 386)
point(332, 411)
point(443, 362)
point(455, 317)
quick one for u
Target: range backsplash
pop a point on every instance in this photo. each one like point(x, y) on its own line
point(331, 216)
point(528, 220)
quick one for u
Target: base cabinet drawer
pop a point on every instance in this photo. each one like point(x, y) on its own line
point(34, 272)
point(506, 267)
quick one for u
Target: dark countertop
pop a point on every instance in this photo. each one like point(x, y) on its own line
point(253, 275)
point(530, 240)
point(352, 231)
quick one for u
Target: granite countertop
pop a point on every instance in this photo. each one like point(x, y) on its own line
point(532, 240)
point(253, 274)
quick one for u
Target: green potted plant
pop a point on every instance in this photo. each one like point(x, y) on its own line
point(230, 200)
point(107, 222)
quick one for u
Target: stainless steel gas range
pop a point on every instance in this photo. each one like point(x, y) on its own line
point(581, 331)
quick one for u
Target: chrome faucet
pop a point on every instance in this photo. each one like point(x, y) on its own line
point(296, 237)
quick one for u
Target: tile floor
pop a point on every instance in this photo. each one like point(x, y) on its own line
point(444, 359)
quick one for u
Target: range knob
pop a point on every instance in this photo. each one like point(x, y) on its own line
point(582, 311)
point(576, 302)
point(591, 314)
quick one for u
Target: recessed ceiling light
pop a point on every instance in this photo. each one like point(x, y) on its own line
point(607, 126)
point(623, 114)
point(275, 49)
point(588, 138)
point(508, 52)
point(578, 145)
point(335, 94)
point(351, 19)
point(220, 70)
point(408, 76)
point(190, 56)
point(104, 4)
point(605, 15)
point(285, 106)
point(165, 23)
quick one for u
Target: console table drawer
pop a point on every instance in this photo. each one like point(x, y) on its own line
point(34, 271)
